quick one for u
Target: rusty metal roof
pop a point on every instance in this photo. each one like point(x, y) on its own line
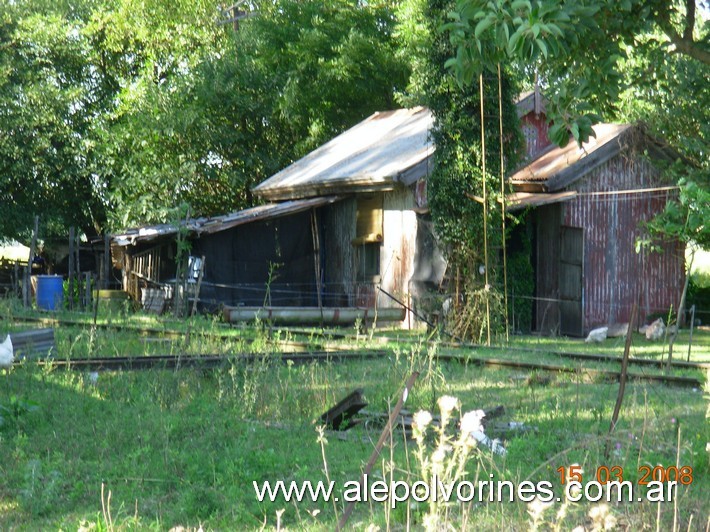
point(216, 224)
point(556, 167)
point(521, 200)
point(382, 150)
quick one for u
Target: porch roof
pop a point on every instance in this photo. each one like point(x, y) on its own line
point(216, 224)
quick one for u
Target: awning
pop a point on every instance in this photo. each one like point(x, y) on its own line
point(521, 200)
point(198, 226)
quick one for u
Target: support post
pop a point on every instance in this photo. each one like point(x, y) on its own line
point(107, 262)
point(87, 290)
point(16, 284)
point(26, 287)
point(77, 269)
point(692, 324)
point(72, 242)
point(316, 261)
point(197, 288)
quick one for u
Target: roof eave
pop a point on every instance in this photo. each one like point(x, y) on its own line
point(323, 189)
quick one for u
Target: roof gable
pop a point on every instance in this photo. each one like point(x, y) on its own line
point(385, 149)
point(557, 168)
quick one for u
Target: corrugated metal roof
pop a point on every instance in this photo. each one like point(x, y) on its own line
point(386, 148)
point(221, 223)
point(557, 160)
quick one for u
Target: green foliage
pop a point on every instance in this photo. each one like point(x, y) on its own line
point(554, 38)
point(288, 81)
point(687, 218)
point(115, 111)
point(13, 414)
point(457, 175)
point(521, 280)
point(40, 489)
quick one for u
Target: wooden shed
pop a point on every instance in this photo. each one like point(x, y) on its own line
point(344, 227)
point(587, 207)
point(377, 243)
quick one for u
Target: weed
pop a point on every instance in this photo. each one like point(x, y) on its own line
point(41, 490)
point(14, 413)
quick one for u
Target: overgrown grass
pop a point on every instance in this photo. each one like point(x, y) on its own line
point(183, 447)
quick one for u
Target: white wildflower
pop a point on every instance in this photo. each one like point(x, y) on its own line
point(447, 404)
point(537, 507)
point(602, 518)
point(422, 419)
point(471, 421)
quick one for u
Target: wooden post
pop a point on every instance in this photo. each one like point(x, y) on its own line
point(485, 216)
point(107, 262)
point(197, 288)
point(502, 199)
point(316, 261)
point(26, 288)
point(622, 381)
point(692, 323)
point(72, 242)
point(380, 444)
point(87, 290)
point(16, 280)
point(77, 268)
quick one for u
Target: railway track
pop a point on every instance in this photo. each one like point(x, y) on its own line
point(336, 354)
point(671, 380)
point(145, 362)
point(215, 361)
point(590, 357)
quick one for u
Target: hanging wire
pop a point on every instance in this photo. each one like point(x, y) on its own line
point(502, 210)
point(485, 216)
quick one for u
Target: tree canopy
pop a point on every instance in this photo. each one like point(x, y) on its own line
point(117, 111)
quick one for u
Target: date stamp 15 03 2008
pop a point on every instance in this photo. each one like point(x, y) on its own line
point(655, 483)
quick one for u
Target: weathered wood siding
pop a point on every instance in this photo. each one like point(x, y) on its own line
point(615, 275)
point(338, 225)
point(398, 246)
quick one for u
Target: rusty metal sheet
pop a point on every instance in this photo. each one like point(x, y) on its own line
point(557, 159)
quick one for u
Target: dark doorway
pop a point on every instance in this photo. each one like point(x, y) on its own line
point(571, 266)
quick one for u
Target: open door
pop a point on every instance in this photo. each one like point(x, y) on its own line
point(571, 271)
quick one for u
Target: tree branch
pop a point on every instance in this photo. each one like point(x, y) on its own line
point(689, 20)
point(684, 43)
point(691, 48)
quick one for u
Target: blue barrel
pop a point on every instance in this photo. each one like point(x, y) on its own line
point(50, 293)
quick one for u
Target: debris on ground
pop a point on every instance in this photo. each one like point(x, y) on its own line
point(597, 335)
point(656, 330)
point(34, 344)
point(342, 415)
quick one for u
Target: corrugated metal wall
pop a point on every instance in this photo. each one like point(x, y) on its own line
point(534, 129)
point(615, 276)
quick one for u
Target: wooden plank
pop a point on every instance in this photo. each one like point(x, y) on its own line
point(340, 416)
point(36, 343)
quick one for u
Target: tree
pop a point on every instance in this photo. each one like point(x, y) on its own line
point(67, 70)
point(291, 78)
point(457, 179)
point(553, 37)
point(47, 103)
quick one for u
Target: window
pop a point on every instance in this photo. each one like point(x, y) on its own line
point(368, 238)
point(368, 257)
